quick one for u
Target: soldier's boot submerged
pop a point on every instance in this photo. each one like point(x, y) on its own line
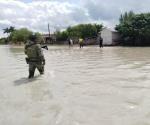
point(31, 74)
point(41, 71)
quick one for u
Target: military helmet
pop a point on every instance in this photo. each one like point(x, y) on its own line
point(32, 37)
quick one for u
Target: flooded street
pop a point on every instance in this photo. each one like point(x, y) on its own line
point(89, 86)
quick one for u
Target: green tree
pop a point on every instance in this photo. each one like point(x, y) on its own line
point(2, 40)
point(8, 31)
point(98, 27)
point(20, 35)
point(11, 29)
point(81, 30)
point(84, 30)
point(135, 29)
point(61, 36)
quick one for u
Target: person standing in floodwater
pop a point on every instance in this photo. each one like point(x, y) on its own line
point(81, 42)
point(35, 57)
point(100, 42)
point(70, 42)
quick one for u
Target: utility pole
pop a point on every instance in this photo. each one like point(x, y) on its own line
point(49, 33)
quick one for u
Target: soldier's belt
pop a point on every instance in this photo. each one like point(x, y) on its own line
point(28, 60)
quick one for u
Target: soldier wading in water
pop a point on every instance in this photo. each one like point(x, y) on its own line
point(35, 57)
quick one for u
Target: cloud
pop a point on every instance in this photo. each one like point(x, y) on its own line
point(36, 14)
point(111, 9)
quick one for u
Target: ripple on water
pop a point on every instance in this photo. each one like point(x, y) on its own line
point(110, 85)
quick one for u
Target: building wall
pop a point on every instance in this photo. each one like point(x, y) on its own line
point(115, 37)
point(106, 34)
point(49, 40)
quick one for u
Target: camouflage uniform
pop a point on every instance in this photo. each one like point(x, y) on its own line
point(36, 58)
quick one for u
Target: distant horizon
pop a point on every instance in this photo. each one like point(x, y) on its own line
point(36, 14)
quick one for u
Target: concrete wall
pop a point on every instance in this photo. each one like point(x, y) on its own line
point(115, 37)
point(110, 37)
point(106, 34)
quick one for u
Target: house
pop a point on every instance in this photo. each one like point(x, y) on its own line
point(110, 37)
point(49, 39)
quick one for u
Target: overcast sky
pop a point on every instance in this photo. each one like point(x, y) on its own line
point(36, 14)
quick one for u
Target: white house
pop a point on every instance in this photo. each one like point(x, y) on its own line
point(109, 36)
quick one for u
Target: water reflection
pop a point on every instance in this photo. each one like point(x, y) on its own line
point(24, 80)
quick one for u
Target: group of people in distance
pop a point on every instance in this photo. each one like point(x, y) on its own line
point(82, 41)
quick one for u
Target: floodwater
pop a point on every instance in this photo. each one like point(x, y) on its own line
point(88, 86)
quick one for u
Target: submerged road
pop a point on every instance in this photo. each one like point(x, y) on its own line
point(89, 86)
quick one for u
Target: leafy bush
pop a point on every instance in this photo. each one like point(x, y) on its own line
point(135, 29)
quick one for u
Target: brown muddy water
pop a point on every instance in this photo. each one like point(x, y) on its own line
point(89, 86)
